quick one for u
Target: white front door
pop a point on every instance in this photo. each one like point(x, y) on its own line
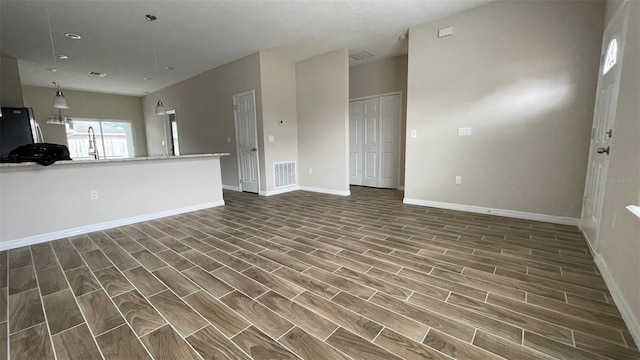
point(246, 141)
point(356, 131)
point(603, 122)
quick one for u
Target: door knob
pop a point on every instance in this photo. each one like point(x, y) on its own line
point(609, 133)
point(254, 149)
point(602, 150)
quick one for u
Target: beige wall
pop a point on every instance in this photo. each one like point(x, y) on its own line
point(619, 239)
point(385, 76)
point(87, 105)
point(278, 81)
point(322, 84)
point(10, 84)
point(59, 205)
point(522, 75)
point(204, 112)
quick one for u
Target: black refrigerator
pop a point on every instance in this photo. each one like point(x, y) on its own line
point(17, 127)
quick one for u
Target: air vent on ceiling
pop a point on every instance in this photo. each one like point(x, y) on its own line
point(360, 55)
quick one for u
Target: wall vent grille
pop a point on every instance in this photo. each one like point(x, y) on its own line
point(284, 174)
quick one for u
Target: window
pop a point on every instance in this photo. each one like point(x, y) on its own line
point(114, 139)
point(611, 57)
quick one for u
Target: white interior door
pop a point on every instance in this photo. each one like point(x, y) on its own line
point(603, 123)
point(389, 111)
point(370, 171)
point(246, 141)
point(356, 131)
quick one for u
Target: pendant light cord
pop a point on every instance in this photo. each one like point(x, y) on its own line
point(155, 58)
point(53, 50)
point(155, 62)
point(155, 50)
point(159, 107)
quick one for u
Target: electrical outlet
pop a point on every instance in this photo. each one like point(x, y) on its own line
point(458, 180)
point(414, 133)
point(272, 138)
point(93, 194)
point(464, 131)
point(310, 171)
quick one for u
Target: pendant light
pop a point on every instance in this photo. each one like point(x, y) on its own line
point(160, 110)
point(59, 101)
point(160, 107)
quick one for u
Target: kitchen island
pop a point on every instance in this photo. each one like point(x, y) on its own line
point(42, 203)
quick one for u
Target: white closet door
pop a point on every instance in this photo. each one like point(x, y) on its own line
point(374, 126)
point(371, 172)
point(389, 114)
point(356, 132)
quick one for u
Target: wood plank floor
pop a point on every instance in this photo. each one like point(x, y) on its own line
point(312, 276)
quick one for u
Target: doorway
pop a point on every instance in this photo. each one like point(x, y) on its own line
point(244, 114)
point(602, 131)
point(173, 132)
point(374, 140)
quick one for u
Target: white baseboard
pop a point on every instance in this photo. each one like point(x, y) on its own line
point(36, 239)
point(633, 323)
point(279, 191)
point(498, 212)
point(229, 187)
point(325, 191)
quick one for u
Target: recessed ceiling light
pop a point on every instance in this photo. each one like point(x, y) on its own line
point(98, 74)
point(73, 36)
point(169, 68)
point(52, 69)
point(147, 78)
point(62, 57)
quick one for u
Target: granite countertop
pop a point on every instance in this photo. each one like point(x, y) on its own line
point(101, 161)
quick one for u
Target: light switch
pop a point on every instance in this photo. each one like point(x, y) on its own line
point(272, 138)
point(464, 131)
point(448, 31)
point(414, 133)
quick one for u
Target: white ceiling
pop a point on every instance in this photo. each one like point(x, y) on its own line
point(195, 36)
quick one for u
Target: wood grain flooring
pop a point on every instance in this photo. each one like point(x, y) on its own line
point(312, 276)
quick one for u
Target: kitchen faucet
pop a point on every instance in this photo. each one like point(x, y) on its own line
point(93, 149)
